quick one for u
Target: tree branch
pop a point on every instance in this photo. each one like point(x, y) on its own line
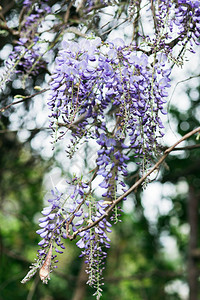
point(189, 147)
point(10, 30)
point(134, 186)
point(9, 6)
point(24, 98)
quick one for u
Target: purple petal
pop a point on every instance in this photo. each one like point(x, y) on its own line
point(42, 242)
point(44, 224)
point(80, 244)
point(43, 234)
point(39, 231)
point(78, 213)
point(44, 219)
point(51, 216)
point(58, 251)
point(80, 222)
point(46, 211)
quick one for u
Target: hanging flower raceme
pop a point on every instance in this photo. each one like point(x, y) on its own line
point(175, 23)
point(67, 215)
point(29, 42)
point(26, 57)
point(94, 243)
point(187, 19)
point(111, 166)
point(91, 77)
point(51, 232)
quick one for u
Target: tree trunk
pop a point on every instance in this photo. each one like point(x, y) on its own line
point(79, 292)
point(193, 239)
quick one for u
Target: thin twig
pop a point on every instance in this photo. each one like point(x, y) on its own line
point(172, 94)
point(182, 81)
point(10, 30)
point(24, 98)
point(33, 289)
point(22, 129)
point(171, 44)
point(154, 17)
point(114, 27)
point(9, 5)
point(190, 147)
point(66, 17)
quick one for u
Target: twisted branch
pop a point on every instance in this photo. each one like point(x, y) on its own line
point(136, 184)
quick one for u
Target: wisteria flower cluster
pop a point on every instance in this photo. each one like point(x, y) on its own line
point(94, 242)
point(29, 37)
point(90, 77)
point(51, 232)
point(65, 217)
point(115, 93)
point(111, 164)
point(187, 18)
point(26, 57)
point(176, 23)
